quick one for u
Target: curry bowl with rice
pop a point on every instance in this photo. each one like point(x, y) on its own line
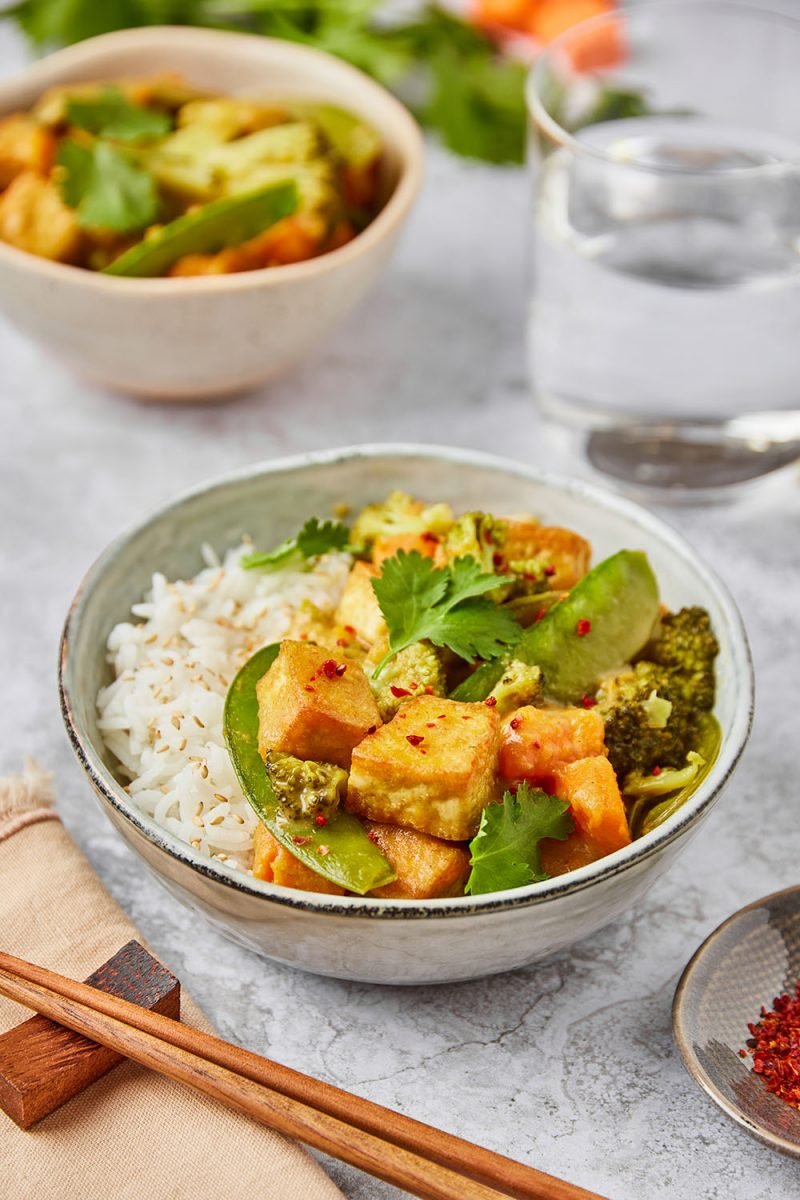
point(261, 728)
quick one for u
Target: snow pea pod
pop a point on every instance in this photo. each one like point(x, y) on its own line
point(352, 861)
point(603, 623)
point(228, 222)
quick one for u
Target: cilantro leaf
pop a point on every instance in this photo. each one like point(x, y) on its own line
point(505, 850)
point(108, 190)
point(315, 538)
point(443, 605)
point(112, 115)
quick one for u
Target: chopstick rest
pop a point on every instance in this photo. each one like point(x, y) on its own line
point(42, 1064)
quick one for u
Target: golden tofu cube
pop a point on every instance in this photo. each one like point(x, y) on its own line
point(275, 864)
point(34, 218)
point(25, 145)
point(358, 608)
point(314, 706)
point(426, 867)
point(565, 550)
point(385, 547)
point(432, 768)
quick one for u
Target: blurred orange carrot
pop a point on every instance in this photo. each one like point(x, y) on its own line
point(545, 20)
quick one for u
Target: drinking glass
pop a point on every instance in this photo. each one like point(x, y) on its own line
point(664, 317)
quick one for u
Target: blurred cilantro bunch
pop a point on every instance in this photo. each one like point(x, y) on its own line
point(448, 72)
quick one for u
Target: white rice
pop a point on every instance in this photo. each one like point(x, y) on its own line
point(162, 715)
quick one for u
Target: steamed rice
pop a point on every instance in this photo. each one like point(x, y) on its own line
point(162, 715)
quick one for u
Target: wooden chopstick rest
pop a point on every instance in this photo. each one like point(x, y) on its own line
point(42, 1064)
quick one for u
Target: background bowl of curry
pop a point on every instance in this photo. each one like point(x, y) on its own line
point(190, 338)
point(392, 941)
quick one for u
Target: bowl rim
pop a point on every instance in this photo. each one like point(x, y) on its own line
point(694, 1067)
point(572, 882)
point(407, 143)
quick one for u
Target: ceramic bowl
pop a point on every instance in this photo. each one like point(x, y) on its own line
point(177, 339)
point(362, 938)
point(751, 958)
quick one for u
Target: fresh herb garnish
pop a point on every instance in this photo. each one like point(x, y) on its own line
point(505, 850)
point(315, 538)
point(108, 189)
point(443, 605)
point(112, 115)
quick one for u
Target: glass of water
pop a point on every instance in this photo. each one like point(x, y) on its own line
point(664, 319)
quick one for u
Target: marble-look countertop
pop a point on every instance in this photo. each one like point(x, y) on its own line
point(568, 1064)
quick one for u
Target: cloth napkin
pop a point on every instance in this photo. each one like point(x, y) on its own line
point(133, 1135)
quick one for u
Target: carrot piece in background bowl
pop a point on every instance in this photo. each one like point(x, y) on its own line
point(587, 50)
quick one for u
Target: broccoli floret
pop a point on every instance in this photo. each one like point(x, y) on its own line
point(520, 684)
point(687, 647)
point(305, 788)
point(400, 514)
point(648, 721)
point(477, 534)
point(652, 711)
point(665, 782)
point(412, 672)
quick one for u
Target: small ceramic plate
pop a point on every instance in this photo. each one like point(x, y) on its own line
point(751, 958)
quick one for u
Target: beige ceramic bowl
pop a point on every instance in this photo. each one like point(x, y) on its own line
point(178, 339)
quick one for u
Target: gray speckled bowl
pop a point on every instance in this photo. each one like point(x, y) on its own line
point(391, 941)
point(747, 961)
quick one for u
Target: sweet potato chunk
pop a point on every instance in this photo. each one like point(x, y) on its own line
point(359, 606)
point(577, 851)
point(564, 549)
point(432, 768)
point(426, 866)
point(314, 706)
point(25, 145)
point(591, 788)
point(424, 543)
point(33, 217)
point(538, 740)
point(275, 864)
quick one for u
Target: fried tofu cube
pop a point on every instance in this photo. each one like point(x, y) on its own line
point(591, 788)
point(565, 550)
point(431, 768)
point(577, 851)
point(359, 608)
point(425, 544)
point(25, 145)
point(426, 867)
point(33, 217)
point(275, 864)
point(314, 706)
point(536, 741)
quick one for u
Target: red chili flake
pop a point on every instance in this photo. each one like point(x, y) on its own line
point(320, 820)
point(497, 560)
point(442, 717)
point(656, 770)
point(373, 837)
point(775, 1047)
point(429, 690)
point(515, 722)
point(430, 724)
point(342, 642)
point(541, 613)
point(309, 688)
point(549, 569)
point(422, 750)
point(301, 841)
point(490, 701)
point(371, 729)
point(350, 629)
point(466, 718)
point(430, 537)
point(414, 739)
point(329, 668)
point(397, 692)
point(537, 745)
point(588, 701)
point(340, 670)
point(303, 637)
point(323, 850)
point(413, 686)
point(583, 627)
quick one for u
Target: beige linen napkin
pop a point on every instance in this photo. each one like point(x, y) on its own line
point(132, 1135)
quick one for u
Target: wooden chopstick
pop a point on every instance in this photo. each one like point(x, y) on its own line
point(425, 1161)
